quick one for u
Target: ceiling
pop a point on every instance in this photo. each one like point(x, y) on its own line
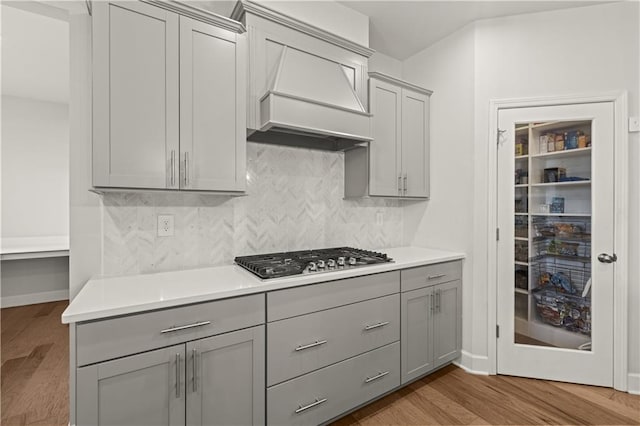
point(35, 55)
point(401, 29)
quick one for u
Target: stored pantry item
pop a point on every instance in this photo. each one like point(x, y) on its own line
point(521, 279)
point(543, 143)
point(582, 141)
point(571, 139)
point(553, 174)
point(559, 142)
point(563, 310)
point(557, 205)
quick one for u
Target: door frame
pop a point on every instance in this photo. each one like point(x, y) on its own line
point(621, 243)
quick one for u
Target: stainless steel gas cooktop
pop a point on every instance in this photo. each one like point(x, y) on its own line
point(275, 265)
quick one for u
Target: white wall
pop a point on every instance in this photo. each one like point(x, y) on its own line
point(35, 168)
point(445, 221)
point(385, 64)
point(328, 15)
point(574, 51)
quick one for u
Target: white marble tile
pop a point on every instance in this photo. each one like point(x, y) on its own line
point(294, 201)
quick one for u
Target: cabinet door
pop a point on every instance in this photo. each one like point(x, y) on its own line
point(212, 108)
point(415, 143)
point(384, 151)
point(416, 333)
point(135, 92)
point(447, 322)
point(226, 379)
point(144, 389)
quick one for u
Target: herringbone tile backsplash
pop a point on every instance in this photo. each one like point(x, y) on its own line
point(294, 202)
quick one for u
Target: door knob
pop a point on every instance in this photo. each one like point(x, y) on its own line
point(607, 258)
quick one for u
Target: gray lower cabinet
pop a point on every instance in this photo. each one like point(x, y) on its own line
point(431, 327)
point(226, 379)
point(218, 380)
point(143, 389)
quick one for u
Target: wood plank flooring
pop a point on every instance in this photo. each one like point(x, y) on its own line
point(35, 365)
point(35, 374)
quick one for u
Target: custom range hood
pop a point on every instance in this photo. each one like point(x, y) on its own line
point(304, 83)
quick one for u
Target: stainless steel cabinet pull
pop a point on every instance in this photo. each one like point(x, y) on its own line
point(173, 167)
point(194, 356)
point(400, 184)
point(311, 345)
point(374, 326)
point(438, 296)
point(376, 377)
point(433, 277)
point(186, 169)
point(405, 184)
point(431, 302)
point(607, 258)
point(178, 375)
point(185, 327)
point(313, 404)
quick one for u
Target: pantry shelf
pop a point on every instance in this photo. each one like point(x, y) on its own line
point(564, 154)
point(565, 183)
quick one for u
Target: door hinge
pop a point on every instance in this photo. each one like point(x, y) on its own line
point(498, 134)
point(497, 234)
point(497, 331)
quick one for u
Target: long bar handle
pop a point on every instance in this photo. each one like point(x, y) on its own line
point(431, 302)
point(313, 404)
point(438, 299)
point(400, 184)
point(405, 184)
point(374, 326)
point(433, 277)
point(185, 327)
point(311, 345)
point(178, 375)
point(194, 356)
point(173, 167)
point(376, 377)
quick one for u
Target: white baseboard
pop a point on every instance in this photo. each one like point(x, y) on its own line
point(633, 383)
point(474, 364)
point(30, 299)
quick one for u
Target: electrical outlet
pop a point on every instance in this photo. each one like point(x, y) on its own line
point(379, 218)
point(165, 225)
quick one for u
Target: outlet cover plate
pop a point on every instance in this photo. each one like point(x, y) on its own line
point(165, 225)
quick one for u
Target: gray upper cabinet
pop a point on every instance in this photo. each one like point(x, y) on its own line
point(212, 108)
point(135, 95)
point(385, 103)
point(169, 99)
point(226, 379)
point(143, 389)
point(396, 163)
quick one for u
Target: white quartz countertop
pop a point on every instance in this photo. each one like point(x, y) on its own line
point(107, 297)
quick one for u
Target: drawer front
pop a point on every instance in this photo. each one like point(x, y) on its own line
point(296, 346)
point(111, 338)
point(331, 391)
point(317, 297)
point(424, 276)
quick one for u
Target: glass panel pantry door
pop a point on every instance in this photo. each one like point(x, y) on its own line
point(556, 216)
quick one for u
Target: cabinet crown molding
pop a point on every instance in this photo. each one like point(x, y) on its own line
point(199, 14)
point(252, 7)
point(398, 82)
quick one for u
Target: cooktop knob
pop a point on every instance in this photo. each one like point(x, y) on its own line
point(341, 261)
point(331, 263)
point(312, 266)
point(352, 261)
point(321, 263)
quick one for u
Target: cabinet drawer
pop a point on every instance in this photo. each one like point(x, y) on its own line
point(331, 391)
point(302, 344)
point(423, 276)
point(111, 338)
point(317, 297)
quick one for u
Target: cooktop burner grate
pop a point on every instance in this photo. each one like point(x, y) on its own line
point(275, 265)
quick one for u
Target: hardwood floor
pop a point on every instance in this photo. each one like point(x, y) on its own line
point(35, 365)
point(35, 374)
point(453, 397)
